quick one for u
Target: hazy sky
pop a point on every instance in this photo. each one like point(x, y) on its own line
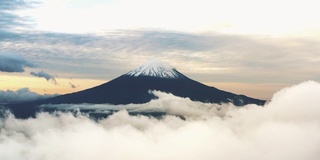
point(244, 46)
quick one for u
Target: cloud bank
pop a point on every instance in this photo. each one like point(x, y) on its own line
point(13, 63)
point(166, 102)
point(45, 75)
point(286, 128)
point(21, 95)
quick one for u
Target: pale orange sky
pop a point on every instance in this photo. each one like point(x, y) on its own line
point(40, 85)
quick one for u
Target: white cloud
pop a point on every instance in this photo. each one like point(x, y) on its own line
point(285, 128)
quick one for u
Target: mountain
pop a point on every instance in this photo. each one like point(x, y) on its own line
point(134, 87)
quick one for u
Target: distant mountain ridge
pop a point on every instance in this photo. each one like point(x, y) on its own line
point(134, 87)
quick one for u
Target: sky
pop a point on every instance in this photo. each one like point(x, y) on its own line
point(246, 47)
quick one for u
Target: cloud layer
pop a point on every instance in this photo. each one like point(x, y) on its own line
point(9, 19)
point(209, 57)
point(285, 128)
point(13, 63)
point(21, 95)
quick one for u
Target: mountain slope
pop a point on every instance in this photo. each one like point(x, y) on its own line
point(134, 87)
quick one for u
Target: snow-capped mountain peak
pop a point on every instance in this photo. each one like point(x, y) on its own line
point(155, 68)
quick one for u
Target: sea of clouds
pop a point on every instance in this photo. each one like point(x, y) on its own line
point(286, 128)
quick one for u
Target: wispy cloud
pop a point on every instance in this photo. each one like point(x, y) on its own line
point(45, 75)
point(72, 85)
point(13, 63)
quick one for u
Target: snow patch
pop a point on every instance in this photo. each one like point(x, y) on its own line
point(155, 68)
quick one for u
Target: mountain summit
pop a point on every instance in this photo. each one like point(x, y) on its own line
point(156, 68)
point(135, 86)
